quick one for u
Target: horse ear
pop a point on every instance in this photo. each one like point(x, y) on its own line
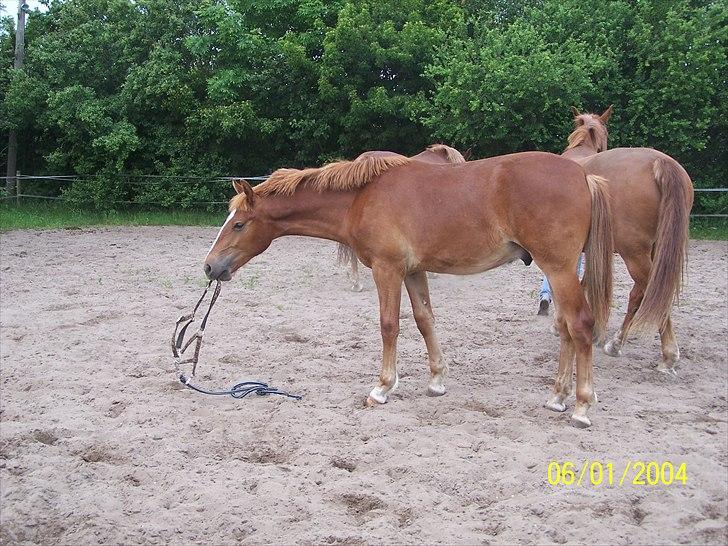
point(575, 111)
point(241, 186)
point(605, 116)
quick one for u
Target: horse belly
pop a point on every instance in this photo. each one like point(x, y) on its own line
point(472, 259)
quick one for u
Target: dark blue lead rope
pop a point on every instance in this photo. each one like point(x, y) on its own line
point(240, 390)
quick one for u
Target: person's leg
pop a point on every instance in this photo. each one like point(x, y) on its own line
point(544, 296)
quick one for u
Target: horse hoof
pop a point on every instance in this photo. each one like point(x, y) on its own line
point(667, 370)
point(378, 396)
point(669, 359)
point(580, 421)
point(554, 404)
point(612, 349)
point(372, 403)
point(543, 308)
point(435, 390)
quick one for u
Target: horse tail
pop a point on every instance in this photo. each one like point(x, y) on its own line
point(669, 253)
point(599, 250)
point(346, 255)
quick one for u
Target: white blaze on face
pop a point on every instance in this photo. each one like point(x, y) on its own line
point(230, 217)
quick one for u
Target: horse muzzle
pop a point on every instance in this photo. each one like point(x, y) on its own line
point(218, 270)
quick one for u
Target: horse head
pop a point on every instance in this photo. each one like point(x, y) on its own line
point(244, 235)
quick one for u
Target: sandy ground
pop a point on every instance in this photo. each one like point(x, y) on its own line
point(100, 444)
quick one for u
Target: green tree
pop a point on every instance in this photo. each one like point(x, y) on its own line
point(507, 88)
point(507, 79)
point(372, 80)
point(674, 99)
point(202, 88)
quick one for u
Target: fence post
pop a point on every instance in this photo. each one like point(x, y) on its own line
point(17, 188)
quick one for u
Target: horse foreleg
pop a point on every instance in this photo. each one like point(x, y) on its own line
point(389, 288)
point(419, 294)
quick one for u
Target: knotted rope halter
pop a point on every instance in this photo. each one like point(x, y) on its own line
point(239, 390)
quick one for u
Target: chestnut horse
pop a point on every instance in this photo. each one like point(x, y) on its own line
point(404, 218)
point(651, 197)
point(434, 153)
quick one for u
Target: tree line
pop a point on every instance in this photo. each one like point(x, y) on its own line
point(203, 88)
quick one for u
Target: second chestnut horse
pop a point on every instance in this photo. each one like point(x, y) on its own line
point(651, 197)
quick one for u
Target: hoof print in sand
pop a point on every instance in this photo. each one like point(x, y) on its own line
point(98, 454)
point(361, 505)
point(405, 517)
point(483, 408)
point(45, 437)
point(398, 472)
point(344, 464)
point(344, 541)
point(295, 337)
point(116, 409)
point(266, 455)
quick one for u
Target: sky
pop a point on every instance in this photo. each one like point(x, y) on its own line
point(10, 7)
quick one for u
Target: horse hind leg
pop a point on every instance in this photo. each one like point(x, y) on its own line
point(565, 374)
point(554, 326)
point(577, 325)
point(416, 284)
point(670, 350)
point(638, 264)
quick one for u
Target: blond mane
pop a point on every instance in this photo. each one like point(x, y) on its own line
point(338, 176)
point(590, 131)
point(451, 154)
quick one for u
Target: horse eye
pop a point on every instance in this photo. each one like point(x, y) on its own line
point(238, 226)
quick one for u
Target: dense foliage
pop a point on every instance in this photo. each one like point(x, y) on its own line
point(202, 88)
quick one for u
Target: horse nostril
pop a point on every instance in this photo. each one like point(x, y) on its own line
point(207, 269)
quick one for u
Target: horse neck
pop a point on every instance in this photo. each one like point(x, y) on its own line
point(579, 152)
point(310, 213)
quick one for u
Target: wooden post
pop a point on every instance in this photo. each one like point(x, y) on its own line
point(17, 188)
point(17, 64)
point(12, 162)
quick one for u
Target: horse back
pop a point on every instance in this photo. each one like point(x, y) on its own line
point(472, 213)
point(635, 192)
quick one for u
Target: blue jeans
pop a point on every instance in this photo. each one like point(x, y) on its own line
point(545, 293)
